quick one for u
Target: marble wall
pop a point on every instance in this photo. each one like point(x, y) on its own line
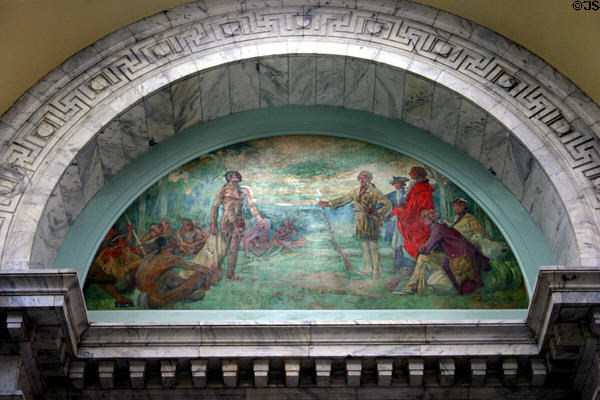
point(232, 49)
point(306, 80)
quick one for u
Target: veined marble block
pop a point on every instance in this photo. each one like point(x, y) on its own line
point(137, 373)
point(261, 372)
point(230, 372)
point(168, 369)
point(353, 372)
point(385, 369)
point(198, 368)
point(292, 372)
point(323, 371)
point(106, 374)
point(416, 367)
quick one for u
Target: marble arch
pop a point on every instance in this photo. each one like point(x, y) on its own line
point(57, 120)
point(53, 162)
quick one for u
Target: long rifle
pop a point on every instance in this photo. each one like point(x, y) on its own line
point(137, 239)
point(347, 263)
point(391, 285)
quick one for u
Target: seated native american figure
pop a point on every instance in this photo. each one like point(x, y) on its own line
point(160, 284)
point(471, 228)
point(287, 237)
point(446, 263)
point(258, 239)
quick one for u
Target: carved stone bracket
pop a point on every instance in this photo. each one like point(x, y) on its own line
point(558, 343)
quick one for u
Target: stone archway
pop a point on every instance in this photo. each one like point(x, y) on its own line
point(54, 125)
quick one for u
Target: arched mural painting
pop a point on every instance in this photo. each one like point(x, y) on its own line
point(304, 222)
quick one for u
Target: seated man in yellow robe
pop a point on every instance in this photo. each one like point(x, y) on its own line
point(471, 229)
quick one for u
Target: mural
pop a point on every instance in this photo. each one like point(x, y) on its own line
point(304, 222)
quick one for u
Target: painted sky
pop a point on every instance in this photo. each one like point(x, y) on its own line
point(288, 170)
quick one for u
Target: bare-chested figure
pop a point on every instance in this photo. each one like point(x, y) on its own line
point(162, 285)
point(191, 238)
point(283, 236)
point(232, 197)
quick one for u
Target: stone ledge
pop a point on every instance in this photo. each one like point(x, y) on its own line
point(553, 352)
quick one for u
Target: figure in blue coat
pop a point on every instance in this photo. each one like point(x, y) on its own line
point(392, 235)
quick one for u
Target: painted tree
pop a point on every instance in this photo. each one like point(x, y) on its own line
point(444, 192)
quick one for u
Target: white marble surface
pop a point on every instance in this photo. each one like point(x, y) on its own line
point(516, 167)
point(20, 111)
point(537, 183)
point(330, 80)
point(113, 42)
point(583, 106)
point(244, 85)
point(52, 81)
point(302, 79)
point(72, 193)
point(389, 91)
point(454, 24)
point(214, 84)
point(51, 230)
point(274, 85)
point(556, 83)
point(187, 103)
point(133, 127)
point(418, 98)
point(187, 12)
point(494, 146)
point(90, 170)
point(149, 26)
point(110, 151)
point(359, 84)
point(471, 127)
point(416, 12)
point(159, 115)
point(445, 115)
point(80, 62)
point(150, 78)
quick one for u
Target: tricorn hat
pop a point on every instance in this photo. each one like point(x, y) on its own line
point(398, 179)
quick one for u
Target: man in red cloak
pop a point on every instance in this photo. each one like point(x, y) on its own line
point(410, 222)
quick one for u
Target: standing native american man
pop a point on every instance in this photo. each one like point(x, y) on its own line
point(232, 197)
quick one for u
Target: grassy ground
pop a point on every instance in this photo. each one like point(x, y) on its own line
point(314, 277)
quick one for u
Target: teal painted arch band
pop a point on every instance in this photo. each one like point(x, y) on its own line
point(86, 234)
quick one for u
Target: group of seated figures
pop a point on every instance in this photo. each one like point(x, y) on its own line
point(449, 257)
point(153, 268)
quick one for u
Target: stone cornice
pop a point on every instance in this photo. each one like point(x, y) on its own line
point(59, 290)
point(354, 339)
point(52, 296)
point(45, 310)
point(558, 288)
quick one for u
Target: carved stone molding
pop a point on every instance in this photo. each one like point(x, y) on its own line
point(50, 123)
point(553, 354)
